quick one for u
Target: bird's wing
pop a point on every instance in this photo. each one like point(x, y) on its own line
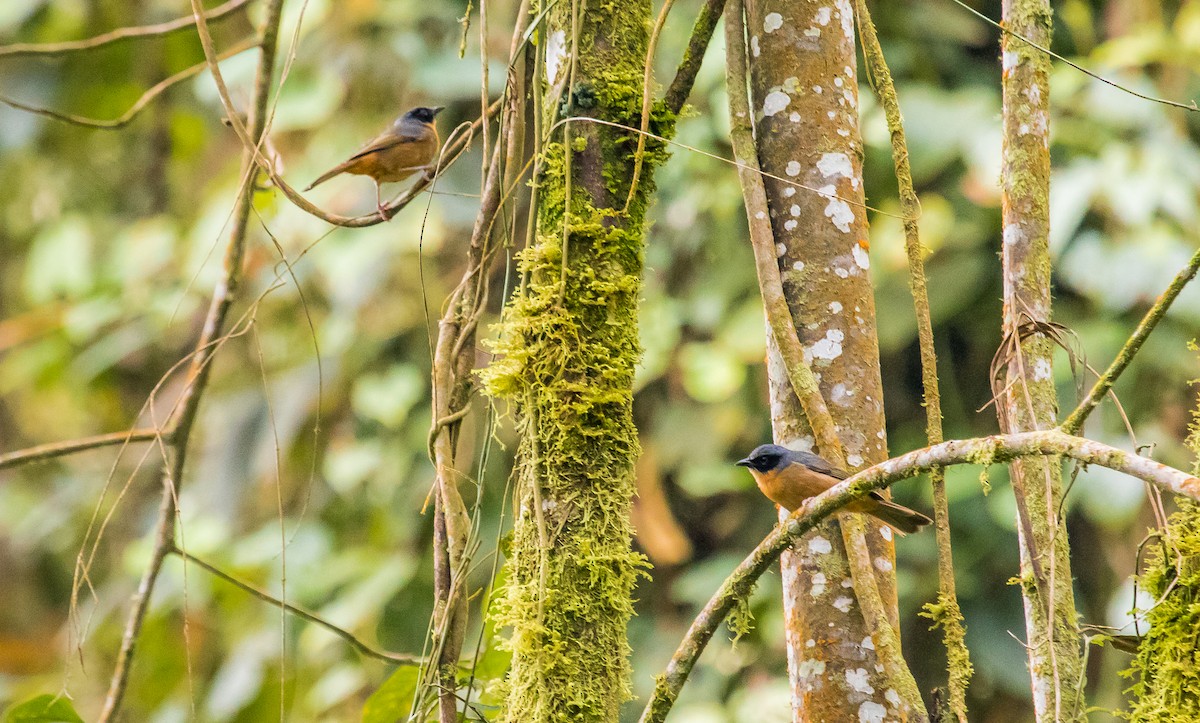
point(387, 139)
point(818, 463)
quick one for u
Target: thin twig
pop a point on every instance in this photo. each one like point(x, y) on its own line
point(143, 31)
point(996, 449)
point(360, 646)
point(52, 450)
point(214, 324)
point(127, 117)
point(685, 76)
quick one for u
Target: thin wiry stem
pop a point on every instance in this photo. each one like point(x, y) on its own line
point(127, 117)
point(360, 646)
point(142, 31)
point(214, 324)
point(996, 449)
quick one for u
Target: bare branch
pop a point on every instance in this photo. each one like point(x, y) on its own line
point(360, 646)
point(125, 118)
point(995, 449)
point(685, 76)
point(44, 452)
point(144, 31)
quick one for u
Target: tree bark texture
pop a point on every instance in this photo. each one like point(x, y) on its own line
point(805, 97)
point(1029, 401)
point(569, 345)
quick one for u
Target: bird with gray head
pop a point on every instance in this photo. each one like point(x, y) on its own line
point(789, 477)
point(409, 145)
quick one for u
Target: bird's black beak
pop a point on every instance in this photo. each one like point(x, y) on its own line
point(743, 462)
point(438, 109)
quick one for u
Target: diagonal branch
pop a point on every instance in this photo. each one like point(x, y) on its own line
point(995, 449)
point(685, 76)
point(1104, 384)
point(198, 374)
point(53, 450)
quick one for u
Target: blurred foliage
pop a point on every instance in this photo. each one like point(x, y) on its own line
point(309, 473)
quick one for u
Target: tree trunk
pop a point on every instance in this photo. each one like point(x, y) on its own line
point(1028, 400)
point(569, 347)
point(805, 102)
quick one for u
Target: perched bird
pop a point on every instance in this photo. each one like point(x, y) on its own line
point(789, 478)
point(407, 146)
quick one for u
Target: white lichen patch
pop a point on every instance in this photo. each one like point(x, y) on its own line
point(819, 546)
point(835, 165)
point(811, 643)
point(846, 15)
point(789, 192)
point(841, 395)
point(812, 32)
point(851, 98)
point(772, 22)
point(810, 668)
point(867, 643)
point(754, 48)
point(818, 89)
point(556, 54)
point(835, 307)
point(856, 678)
point(790, 224)
point(775, 101)
point(860, 256)
point(830, 346)
point(798, 266)
point(792, 168)
point(841, 273)
point(838, 81)
point(843, 603)
point(891, 696)
point(794, 117)
point(794, 210)
point(780, 249)
point(854, 460)
point(1041, 370)
point(823, 15)
point(883, 564)
point(871, 712)
point(1009, 60)
point(885, 532)
point(843, 133)
point(837, 210)
point(818, 585)
point(1012, 234)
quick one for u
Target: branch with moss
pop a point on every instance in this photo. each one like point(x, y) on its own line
point(996, 449)
point(223, 297)
point(143, 31)
point(949, 617)
point(1074, 423)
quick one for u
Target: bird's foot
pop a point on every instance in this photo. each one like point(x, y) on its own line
point(383, 213)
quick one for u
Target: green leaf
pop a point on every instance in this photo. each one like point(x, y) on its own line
point(43, 709)
point(393, 700)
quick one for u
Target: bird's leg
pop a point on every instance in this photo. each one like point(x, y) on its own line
point(379, 202)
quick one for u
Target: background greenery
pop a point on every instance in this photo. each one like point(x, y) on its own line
point(110, 246)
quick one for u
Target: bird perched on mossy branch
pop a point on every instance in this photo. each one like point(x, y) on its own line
point(407, 146)
point(789, 478)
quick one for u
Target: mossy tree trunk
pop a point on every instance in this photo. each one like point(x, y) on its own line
point(805, 105)
point(568, 348)
point(1029, 401)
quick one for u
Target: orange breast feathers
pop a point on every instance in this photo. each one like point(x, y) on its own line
point(792, 485)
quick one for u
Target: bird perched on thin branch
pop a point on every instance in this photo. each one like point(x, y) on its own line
point(407, 146)
point(789, 478)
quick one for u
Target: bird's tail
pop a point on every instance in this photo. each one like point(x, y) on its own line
point(328, 175)
point(900, 517)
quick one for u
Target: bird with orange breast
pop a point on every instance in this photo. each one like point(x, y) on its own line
point(407, 146)
point(789, 478)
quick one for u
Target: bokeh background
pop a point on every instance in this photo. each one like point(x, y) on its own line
point(314, 427)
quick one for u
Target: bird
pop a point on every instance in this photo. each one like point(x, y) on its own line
point(407, 146)
point(788, 478)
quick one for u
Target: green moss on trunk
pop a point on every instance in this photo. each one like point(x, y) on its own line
point(568, 349)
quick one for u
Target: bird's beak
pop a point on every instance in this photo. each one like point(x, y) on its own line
point(438, 109)
point(743, 462)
